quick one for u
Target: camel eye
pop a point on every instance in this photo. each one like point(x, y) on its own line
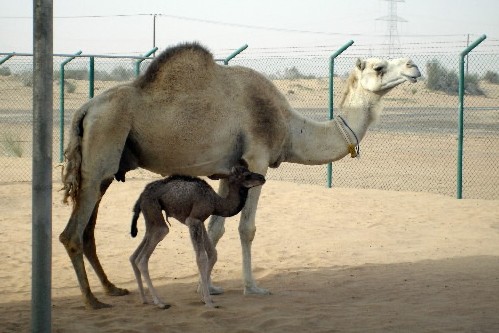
point(378, 68)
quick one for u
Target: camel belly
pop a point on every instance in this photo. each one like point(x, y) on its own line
point(181, 152)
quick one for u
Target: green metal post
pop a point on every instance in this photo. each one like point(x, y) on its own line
point(331, 100)
point(61, 105)
point(460, 135)
point(235, 53)
point(7, 58)
point(91, 77)
point(138, 62)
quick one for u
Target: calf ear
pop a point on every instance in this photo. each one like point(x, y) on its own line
point(243, 163)
point(360, 64)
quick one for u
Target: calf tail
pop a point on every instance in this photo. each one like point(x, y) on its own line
point(136, 213)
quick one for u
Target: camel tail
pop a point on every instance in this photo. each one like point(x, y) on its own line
point(71, 171)
point(136, 213)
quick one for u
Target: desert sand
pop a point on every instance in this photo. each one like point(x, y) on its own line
point(335, 260)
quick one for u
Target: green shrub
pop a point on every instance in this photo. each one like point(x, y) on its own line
point(291, 73)
point(70, 86)
point(12, 146)
point(76, 74)
point(5, 71)
point(491, 77)
point(447, 81)
point(27, 79)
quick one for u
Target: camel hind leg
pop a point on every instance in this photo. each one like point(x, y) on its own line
point(101, 146)
point(73, 240)
point(89, 249)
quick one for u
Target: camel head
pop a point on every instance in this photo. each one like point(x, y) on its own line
point(380, 76)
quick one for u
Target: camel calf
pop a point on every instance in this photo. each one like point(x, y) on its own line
point(191, 201)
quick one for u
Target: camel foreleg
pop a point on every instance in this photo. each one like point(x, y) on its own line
point(216, 229)
point(203, 259)
point(216, 226)
point(247, 230)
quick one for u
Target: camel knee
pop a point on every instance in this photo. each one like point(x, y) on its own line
point(247, 233)
point(134, 260)
point(159, 233)
point(73, 246)
point(212, 257)
point(216, 228)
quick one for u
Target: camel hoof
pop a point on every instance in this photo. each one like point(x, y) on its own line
point(212, 289)
point(94, 304)
point(216, 290)
point(163, 306)
point(211, 305)
point(115, 291)
point(254, 290)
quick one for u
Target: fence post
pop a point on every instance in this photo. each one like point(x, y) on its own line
point(41, 231)
point(138, 62)
point(460, 134)
point(331, 100)
point(61, 105)
point(234, 54)
point(91, 77)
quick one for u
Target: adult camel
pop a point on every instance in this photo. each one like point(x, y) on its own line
point(188, 115)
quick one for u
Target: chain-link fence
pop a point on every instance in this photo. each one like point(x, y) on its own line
point(413, 146)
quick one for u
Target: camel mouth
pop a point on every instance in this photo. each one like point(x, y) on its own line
point(412, 79)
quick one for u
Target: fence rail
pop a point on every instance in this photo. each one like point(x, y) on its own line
point(411, 148)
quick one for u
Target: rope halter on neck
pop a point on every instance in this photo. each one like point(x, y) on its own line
point(354, 150)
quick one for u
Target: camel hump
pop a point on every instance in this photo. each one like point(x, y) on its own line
point(183, 66)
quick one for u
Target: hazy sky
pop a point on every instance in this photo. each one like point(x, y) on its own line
point(226, 25)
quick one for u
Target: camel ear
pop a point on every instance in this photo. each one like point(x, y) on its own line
point(360, 64)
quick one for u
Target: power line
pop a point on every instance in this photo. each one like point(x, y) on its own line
point(246, 26)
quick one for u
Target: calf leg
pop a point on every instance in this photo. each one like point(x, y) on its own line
point(156, 231)
point(198, 233)
point(211, 252)
point(134, 261)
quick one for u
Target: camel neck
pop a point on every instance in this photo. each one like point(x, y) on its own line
point(233, 203)
point(360, 109)
point(315, 143)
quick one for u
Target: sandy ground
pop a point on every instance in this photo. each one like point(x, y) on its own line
point(336, 260)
